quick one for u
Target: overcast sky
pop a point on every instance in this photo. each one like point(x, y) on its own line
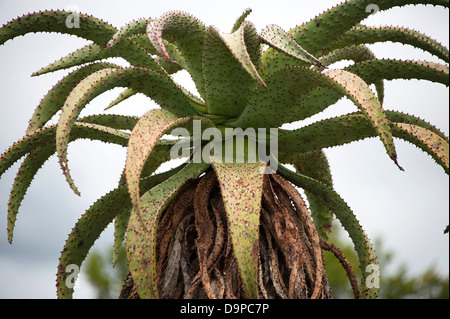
point(408, 210)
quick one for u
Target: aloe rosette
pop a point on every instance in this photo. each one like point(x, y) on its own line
point(245, 79)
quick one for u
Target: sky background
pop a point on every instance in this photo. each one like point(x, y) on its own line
point(407, 210)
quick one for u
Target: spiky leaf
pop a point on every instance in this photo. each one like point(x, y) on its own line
point(141, 233)
point(363, 246)
point(241, 187)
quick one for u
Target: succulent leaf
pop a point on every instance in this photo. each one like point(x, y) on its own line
point(277, 38)
point(132, 28)
point(241, 187)
point(187, 33)
point(241, 19)
point(315, 35)
point(236, 55)
point(355, 53)
point(127, 93)
point(353, 127)
point(143, 139)
point(362, 34)
point(90, 28)
point(54, 100)
point(141, 240)
point(91, 225)
point(146, 81)
point(89, 53)
point(28, 169)
point(363, 246)
point(361, 94)
point(428, 141)
point(315, 165)
point(389, 69)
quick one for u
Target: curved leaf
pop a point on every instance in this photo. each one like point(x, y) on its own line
point(241, 187)
point(282, 103)
point(362, 34)
point(361, 94)
point(363, 246)
point(91, 225)
point(354, 127)
point(127, 93)
point(141, 240)
point(89, 53)
point(389, 69)
point(355, 53)
point(316, 34)
point(130, 29)
point(428, 141)
point(88, 27)
point(277, 38)
point(40, 147)
point(315, 165)
point(374, 71)
point(236, 56)
point(143, 139)
point(241, 19)
point(160, 87)
point(45, 136)
point(54, 100)
point(28, 169)
point(187, 33)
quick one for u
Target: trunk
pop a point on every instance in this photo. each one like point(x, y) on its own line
point(195, 254)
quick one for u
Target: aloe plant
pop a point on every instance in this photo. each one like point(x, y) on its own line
point(222, 224)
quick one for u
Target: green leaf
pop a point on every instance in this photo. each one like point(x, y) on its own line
point(362, 34)
point(241, 187)
point(279, 104)
point(89, 53)
point(141, 241)
point(39, 147)
point(315, 165)
point(355, 53)
point(277, 38)
point(353, 127)
point(388, 69)
point(241, 19)
point(137, 51)
point(53, 101)
point(45, 136)
point(283, 102)
point(362, 96)
point(144, 137)
point(89, 28)
point(187, 33)
point(159, 87)
point(91, 225)
point(132, 28)
point(28, 169)
point(236, 56)
point(428, 141)
point(316, 34)
point(363, 246)
point(127, 93)
point(373, 71)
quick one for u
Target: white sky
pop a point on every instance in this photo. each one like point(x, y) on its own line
point(408, 210)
